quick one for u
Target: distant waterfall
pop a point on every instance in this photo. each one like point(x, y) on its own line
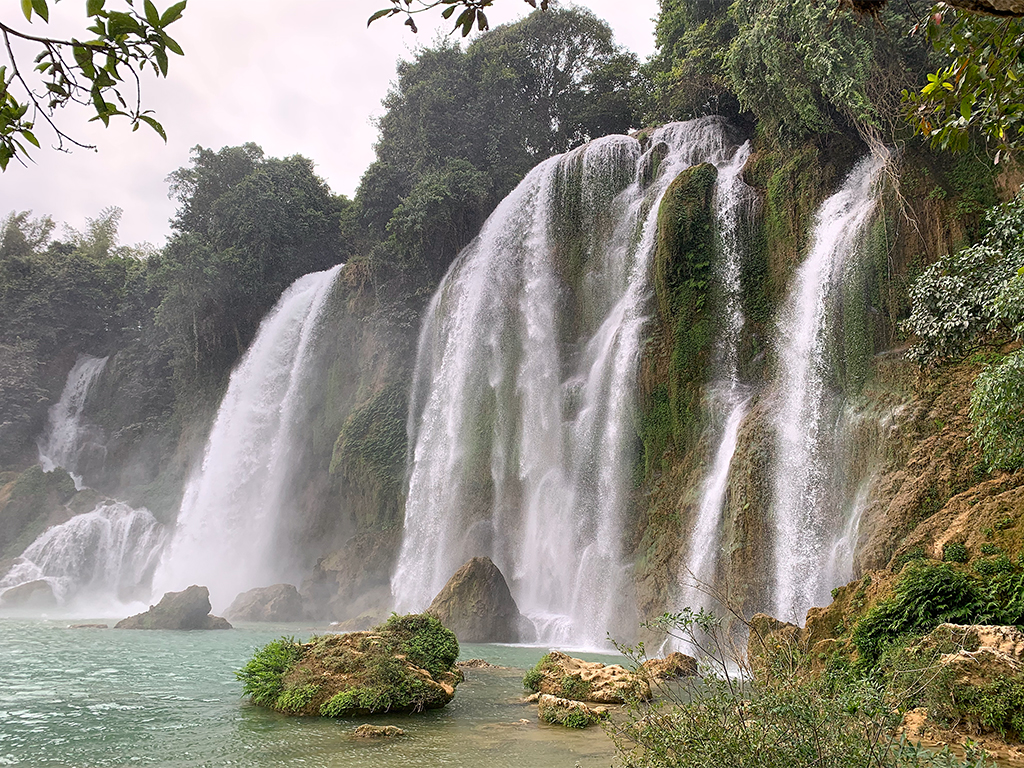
point(95, 558)
point(727, 394)
point(227, 531)
point(65, 436)
point(808, 516)
point(525, 384)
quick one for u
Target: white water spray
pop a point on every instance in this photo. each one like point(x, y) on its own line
point(66, 435)
point(97, 560)
point(807, 517)
point(227, 535)
point(525, 386)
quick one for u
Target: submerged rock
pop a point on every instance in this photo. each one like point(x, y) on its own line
point(477, 606)
point(88, 626)
point(188, 609)
point(31, 594)
point(560, 675)
point(367, 731)
point(406, 664)
point(568, 712)
point(278, 602)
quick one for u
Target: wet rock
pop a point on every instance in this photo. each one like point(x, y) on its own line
point(568, 712)
point(478, 664)
point(188, 609)
point(31, 594)
point(88, 626)
point(477, 606)
point(278, 602)
point(367, 731)
point(672, 666)
point(769, 636)
point(560, 675)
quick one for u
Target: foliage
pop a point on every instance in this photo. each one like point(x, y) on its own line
point(997, 410)
point(472, 13)
point(955, 552)
point(803, 68)
point(980, 89)
point(263, 675)
point(534, 677)
point(296, 699)
point(770, 716)
point(423, 640)
point(100, 71)
point(575, 687)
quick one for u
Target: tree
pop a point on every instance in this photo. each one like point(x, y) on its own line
point(100, 71)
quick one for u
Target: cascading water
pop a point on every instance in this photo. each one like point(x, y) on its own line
point(96, 559)
point(728, 396)
point(66, 435)
point(525, 382)
point(808, 515)
point(227, 534)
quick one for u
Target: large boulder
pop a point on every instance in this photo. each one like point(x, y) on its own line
point(278, 602)
point(673, 666)
point(31, 594)
point(560, 675)
point(406, 664)
point(188, 609)
point(477, 606)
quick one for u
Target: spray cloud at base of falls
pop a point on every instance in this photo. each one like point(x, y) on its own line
point(228, 534)
point(810, 517)
point(525, 386)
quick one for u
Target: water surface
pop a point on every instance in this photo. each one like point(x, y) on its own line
point(91, 698)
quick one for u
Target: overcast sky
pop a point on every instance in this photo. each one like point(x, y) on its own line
point(302, 77)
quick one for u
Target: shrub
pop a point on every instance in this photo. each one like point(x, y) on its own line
point(342, 703)
point(424, 641)
point(263, 676)
point(926, 596)
point(532, 680)
point(298, 698)
point(955, 552)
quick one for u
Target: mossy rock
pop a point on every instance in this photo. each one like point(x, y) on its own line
point(405, 665)
point(29, 504)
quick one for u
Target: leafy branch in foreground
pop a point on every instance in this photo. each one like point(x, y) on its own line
point(771, 713)
point(101, 71)
point(472, 13)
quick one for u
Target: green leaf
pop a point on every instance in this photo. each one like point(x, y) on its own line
point(26, 8)
point(30, 137)
point(171, 43)
point(93, 7)
point(172, 14)
point(161, 60)
point(380, 14)
point(152, 14)
point(154, 125)
point(39, 6)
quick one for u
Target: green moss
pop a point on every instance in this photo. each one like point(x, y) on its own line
point(670, 417)
point(34, 496)
point(575, 687)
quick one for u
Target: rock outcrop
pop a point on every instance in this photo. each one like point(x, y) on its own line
point(367, 731)
point(188, 609)
point(31, 594)
point(278, 602)
point(477, 606)
point(562, 676)
point(568, 712)
point(674, 665)
point(405, 665)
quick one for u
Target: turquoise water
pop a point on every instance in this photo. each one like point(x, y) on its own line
point(92, 698)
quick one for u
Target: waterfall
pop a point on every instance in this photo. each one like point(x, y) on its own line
point(227, 534)
point(94, 558)
point(728, 396)
point(524, 389)
point(807, 510)
point(66, 435)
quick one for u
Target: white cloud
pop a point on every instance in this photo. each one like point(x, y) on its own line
point(294, 77)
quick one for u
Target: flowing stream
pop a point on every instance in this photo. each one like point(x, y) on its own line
point(227, 534)
point(67, 435)
point(525, 385)
point(808, 512)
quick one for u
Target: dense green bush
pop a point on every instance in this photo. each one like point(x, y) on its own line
point(263, 676)
point(955, 552)
point(423, 640)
